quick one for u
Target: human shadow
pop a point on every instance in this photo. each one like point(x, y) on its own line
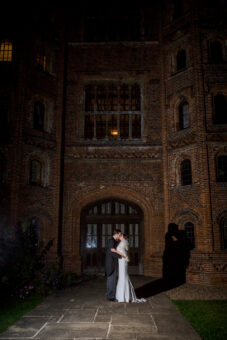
point(175, 261)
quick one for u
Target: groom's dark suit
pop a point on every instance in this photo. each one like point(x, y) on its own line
point(111, 264)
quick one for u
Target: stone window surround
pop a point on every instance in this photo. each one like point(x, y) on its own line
point(221, 42)
point(219, 154)
point(45, 166)
point(178, 163)
point(176, 105)
point(115, 112)
point(48, 114)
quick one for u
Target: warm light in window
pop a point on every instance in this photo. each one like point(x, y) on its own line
point(41, 61)
point(114, 132)
point(6, 51)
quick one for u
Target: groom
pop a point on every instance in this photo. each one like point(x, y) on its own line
point(111, 265)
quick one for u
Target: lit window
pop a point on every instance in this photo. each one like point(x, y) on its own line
point(186, 172)
point(41, 61)
point(189, 231)
point(91, 241)
point(35, 173)
point(6, 51)
point(184, 116)
point(222, 168)
point(112, 112)
point(220, 109)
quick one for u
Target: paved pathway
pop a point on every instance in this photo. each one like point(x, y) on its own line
point(84, 313)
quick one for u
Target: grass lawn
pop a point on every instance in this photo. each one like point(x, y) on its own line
point(209, 317)
point(12, 310)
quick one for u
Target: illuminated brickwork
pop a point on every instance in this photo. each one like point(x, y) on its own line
point(120, 110)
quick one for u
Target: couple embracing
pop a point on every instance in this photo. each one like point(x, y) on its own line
point(117, 256)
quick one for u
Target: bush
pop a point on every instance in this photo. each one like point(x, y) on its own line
point(51, 278)
point(23, 268)
point(22, 256)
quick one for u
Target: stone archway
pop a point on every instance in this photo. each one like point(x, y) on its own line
point(98, 221)
point(72, 225)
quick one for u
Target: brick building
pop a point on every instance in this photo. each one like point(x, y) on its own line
point(115, 117)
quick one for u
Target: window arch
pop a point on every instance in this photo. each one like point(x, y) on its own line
point(35, 176)
point(186, 172)
point(6, 51)
point(38, 117)
point(190, 235)
point(221, 168)
point(98, 220)
point(181, 60)
point(220, 109)
point(223, 229)
point(184, 116)
point(216, 54)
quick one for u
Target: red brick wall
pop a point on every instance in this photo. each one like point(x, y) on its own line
point(146, 173)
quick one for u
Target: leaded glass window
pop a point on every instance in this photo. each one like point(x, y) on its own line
point(186, 172)
point(38, 117)
point(220, 109)
point(91, 236)
point(6, 51)
point(189, 231)
point(98, 222)
point(181, 60)
point(35, 173)
point(184, 116)
point(112, 112)
point(222, 168)
point(41, 61)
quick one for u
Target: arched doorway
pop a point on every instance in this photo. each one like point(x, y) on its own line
point(98, 220)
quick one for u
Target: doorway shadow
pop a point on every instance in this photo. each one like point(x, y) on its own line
point(175, 261)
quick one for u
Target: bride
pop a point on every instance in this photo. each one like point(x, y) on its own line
point(125, 291)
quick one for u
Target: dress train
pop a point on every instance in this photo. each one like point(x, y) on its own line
point(125, 291)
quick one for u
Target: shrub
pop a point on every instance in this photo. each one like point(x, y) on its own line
point(22, 256)
point(23, 268)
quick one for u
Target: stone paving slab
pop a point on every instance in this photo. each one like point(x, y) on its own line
point(74, 330)
point(83, 312)
point(133, 322)
point(25, 327)
point(78, 315)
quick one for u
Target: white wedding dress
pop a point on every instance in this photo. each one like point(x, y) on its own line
point(125, 291)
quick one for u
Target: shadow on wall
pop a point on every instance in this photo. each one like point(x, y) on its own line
point(175, 261)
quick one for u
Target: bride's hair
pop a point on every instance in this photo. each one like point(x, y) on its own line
point(125, 236)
